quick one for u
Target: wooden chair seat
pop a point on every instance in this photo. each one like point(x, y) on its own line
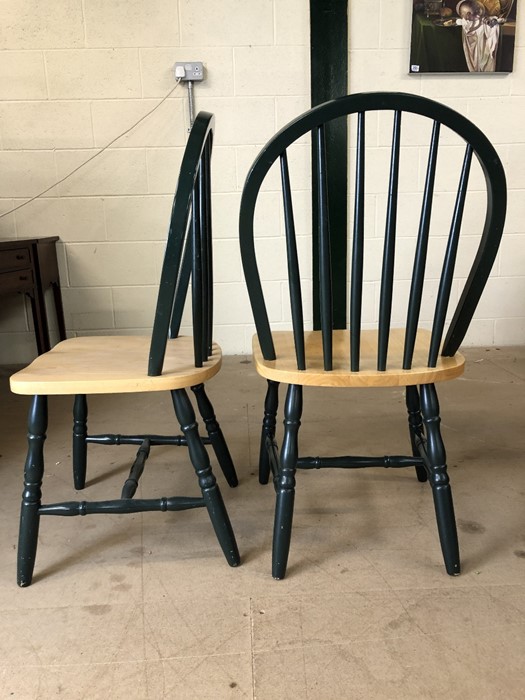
point(111, 365)
point(284, 368)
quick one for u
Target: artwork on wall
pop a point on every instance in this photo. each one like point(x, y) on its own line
point(465, 36)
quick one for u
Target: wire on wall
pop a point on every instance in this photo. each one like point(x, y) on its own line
point(95, 155)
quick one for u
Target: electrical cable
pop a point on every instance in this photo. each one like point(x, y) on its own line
point(95, 155)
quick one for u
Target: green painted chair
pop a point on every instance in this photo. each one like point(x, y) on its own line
point(416, 355)
point(164, 361)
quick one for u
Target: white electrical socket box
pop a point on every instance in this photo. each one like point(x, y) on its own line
point(189, 70)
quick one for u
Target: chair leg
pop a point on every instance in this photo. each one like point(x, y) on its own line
point(33, 476)
point(285, 480)
point(415, 426)
point(80, 413)
point(215, 434)
point(271, 403)
point(439, 480)
point(207, 482)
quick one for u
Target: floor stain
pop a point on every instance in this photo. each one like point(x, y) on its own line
point(471, 527)
point(98, 610)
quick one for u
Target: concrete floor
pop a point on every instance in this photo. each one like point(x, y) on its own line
point(144, 606)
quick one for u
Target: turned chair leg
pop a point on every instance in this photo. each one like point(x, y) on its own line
point(439, 479)
point(80, 413)
point(415, 426)
point(207, 482)
point(271, 405)
point(215, 434)
point(33, 476)
point(285, 481)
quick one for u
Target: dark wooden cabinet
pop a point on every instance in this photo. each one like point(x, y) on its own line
point(29, 266)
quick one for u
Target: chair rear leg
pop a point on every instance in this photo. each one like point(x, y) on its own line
point(439, 480)
point(33, 476)
point(415, 426)
point(80, 413)
point(271, 404)
point(215, 434)
point(285, 481)
point(207, 482)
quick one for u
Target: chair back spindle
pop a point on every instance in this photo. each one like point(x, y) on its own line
point(356, 280)
point(294, 280)
point(420, 258)
point(445, 284)
point(196, 273)
point(325, 263)
point(387, 273)
point(181, 290)
point(208, 252)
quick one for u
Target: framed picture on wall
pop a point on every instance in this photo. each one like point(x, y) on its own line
point(465, 36)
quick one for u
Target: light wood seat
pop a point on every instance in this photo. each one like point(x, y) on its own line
point(163, 361)
point(113, 365)
point(284, 367)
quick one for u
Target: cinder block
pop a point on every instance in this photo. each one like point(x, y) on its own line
point(114, 172)
point(73, 219)
point(272, 70)
point(226, 23)
point(46, 125)
point(93, 74)
point(22, 75)
point(26, 173)
point(42, 25)
point(136, 23)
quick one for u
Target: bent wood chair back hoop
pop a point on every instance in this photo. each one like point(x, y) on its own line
point(314, 122)
point(188, 253)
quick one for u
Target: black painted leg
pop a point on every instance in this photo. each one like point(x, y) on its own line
point(215, 433)
point(415, 425)
point(33, 475)
point(57, 295)
point(285, 480)
point(271, 404)
point(439, 479)
point(80, 413)
point(207, 482)
point(40, 324)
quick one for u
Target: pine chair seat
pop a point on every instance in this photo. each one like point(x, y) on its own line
point(112, 364)
point(284, 368)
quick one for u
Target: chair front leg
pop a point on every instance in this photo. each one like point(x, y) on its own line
point(415, 426)
point(33, 476)
point(285, 480)
point(80, 413)
point(439, 479)
point(271, 404)
point(215, 434)
point(207, 482)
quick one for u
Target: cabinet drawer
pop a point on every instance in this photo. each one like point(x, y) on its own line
point(15, 259)
point(21, 281)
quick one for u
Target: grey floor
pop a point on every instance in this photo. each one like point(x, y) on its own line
point(145, 606)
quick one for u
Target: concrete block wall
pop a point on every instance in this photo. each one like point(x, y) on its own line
point(76, 73)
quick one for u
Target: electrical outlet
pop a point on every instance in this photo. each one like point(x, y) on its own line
point(189, 71)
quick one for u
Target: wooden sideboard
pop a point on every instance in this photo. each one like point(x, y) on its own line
point(29, 266)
